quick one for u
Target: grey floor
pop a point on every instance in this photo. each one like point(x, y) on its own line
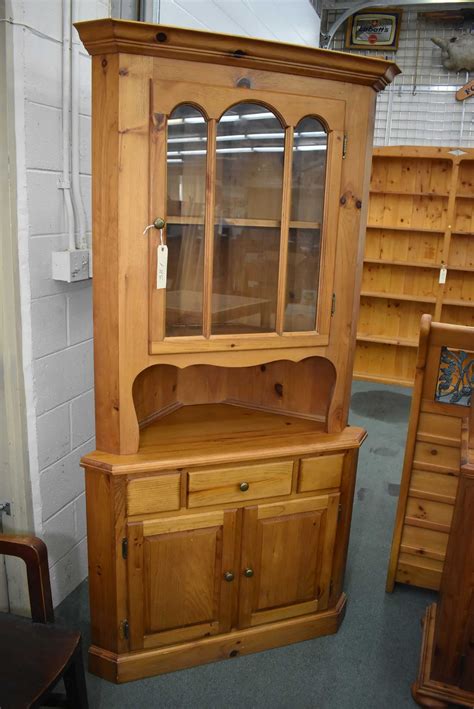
point(369, 664)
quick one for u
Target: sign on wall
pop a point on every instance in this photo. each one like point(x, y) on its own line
point(374, 30)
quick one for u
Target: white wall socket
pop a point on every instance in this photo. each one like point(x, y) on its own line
point(70, 266)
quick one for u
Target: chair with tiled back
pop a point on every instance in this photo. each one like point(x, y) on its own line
point(34, 653)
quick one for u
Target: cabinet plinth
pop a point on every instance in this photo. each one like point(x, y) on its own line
point(230, 186)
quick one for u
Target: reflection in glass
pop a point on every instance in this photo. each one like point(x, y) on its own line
point(302, 279)
point(186, 185)
point(249, 178)
point(309, 171)
point(304, 243)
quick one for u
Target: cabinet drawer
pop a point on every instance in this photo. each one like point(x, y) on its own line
point(156, 493)
point(321, 472)
point(239, 483)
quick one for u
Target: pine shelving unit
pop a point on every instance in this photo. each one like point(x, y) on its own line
point(420, 219)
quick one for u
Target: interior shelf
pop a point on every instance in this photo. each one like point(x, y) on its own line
point(228, 221)
point(190, 433)
point(406, 264)
point(407, 228)
point(399, 381)
point(468, 269)
point(461, 303)
point(401, 341)
point(410, 194)
point(399, 296)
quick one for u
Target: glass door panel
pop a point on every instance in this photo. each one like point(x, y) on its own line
point(249, 177)
point(304, 243)
point(186, 190)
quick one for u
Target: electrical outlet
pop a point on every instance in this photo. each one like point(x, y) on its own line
point(71, 266)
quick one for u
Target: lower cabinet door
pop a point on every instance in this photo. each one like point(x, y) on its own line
point(181, 578)
point(287, 553)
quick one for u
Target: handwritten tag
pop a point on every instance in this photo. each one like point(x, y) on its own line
point(442, 274)
point(161, 266)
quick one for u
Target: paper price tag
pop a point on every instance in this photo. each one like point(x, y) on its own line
point(161, 266)
point(442, 274)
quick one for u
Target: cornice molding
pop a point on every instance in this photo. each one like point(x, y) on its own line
point(110, 36)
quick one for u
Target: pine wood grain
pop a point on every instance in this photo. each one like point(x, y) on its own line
point(420, 219)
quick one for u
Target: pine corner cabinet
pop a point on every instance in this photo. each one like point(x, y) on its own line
point(219, 498)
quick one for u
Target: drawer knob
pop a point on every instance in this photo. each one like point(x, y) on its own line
point(244, 487)
point(229, 576)
point(248, 573)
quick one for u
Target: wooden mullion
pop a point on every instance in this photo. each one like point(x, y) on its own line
point(329, 225)
point(284, 229)
point(450, 216)
point(209, 226)
point(158, 206)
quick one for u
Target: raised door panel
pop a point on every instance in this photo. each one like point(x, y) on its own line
point(177, 587)
point(286, 564)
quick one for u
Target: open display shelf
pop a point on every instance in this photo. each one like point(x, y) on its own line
point(421, 219)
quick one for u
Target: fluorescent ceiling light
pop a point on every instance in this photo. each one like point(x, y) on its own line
point(230, 137)
point(309, 148)
point(258, 116)
point(268, 149)
point(265, 136)
point(195, 139)
point(310, 134)
point(174, 160)
point(234, 150)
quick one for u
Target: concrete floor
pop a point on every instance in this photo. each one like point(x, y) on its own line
point(369, 664)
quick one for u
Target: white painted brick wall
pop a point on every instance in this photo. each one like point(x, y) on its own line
point(61, 415)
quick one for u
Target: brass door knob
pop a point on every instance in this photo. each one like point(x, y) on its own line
point(248, 573)
point(244, 487)
point(229, 576)
point(159, 223)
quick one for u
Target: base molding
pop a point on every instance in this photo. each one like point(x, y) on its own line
point(146, 663)
point(427, 692)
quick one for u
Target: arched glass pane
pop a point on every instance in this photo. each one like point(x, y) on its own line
point(186, 188)
point(304, 243)
point(249, 150)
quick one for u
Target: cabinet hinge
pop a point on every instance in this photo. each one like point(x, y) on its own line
point(339, 511)
point(124, 629)
point(333, 304)
point(124, 548)
point(344, 146)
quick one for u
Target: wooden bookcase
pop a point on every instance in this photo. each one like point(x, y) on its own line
point(219, 500)
point(420, 219)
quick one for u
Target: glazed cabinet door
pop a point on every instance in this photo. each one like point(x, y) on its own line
point(247, 184)
point(180, 578)
point(286, 563)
